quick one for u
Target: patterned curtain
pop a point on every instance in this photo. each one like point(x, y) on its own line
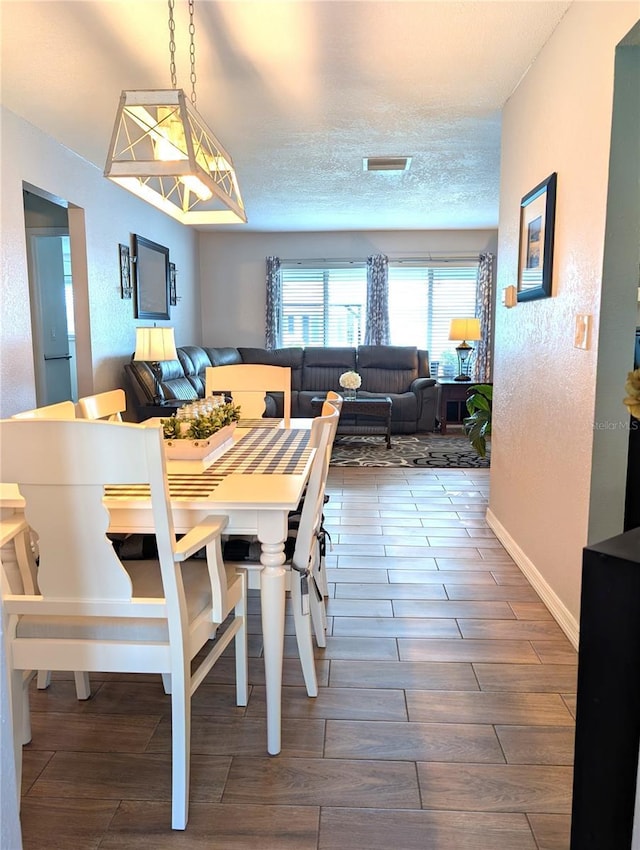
point(377, 320)
point(273, 320)
point(484, 297)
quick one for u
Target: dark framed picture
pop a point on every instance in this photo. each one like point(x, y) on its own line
point(535, 255)
point(125, 272)
point(151, 269)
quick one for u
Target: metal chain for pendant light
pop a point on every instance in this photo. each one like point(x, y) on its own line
point(172, 46)
point(192, 49)
point(192, 53)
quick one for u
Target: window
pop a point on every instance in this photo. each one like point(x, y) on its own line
point(424, 298)
point(326, 304)
point(323, 305)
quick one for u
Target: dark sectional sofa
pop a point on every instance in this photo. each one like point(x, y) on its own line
point(400, 372)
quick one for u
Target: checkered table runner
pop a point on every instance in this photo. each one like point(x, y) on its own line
point(263, 451)
point(266, 451)
point(260, 423)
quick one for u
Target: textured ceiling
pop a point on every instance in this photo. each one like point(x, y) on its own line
point(298, 92)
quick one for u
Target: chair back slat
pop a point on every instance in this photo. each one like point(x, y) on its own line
point(61, 410)
point(109, 405)
point(247, 383)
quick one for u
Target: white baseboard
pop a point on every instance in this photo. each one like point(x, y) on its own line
point(558, 609)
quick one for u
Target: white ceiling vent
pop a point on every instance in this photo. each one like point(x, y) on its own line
point(386, 163)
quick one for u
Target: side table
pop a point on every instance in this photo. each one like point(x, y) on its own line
point(452, 402)
point(362, 415)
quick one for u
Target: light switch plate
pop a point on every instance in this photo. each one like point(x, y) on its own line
point(509, 296)
point(583, 331)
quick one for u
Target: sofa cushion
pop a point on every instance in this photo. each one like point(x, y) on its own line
point(223, 356)
point(291, 357)
point(323, 366)
point(404, 405)
point(194, 360)
point(387, 368)
point(173, 382)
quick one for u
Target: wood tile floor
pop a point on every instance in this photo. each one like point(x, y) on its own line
point(445, 717)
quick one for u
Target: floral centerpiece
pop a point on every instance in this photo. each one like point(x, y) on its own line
point(632, 388)
point(350, 381)
point(198, 429)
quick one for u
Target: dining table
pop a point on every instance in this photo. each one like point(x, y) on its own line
point(257, 481)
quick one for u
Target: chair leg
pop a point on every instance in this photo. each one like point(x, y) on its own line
point(44, 679)
point(316, 603)
point(322, 577)
point(26, 714)
point(83, 685)
point(302, 624)
point(20, 718)
point(241, 651)
point(318, 618)
point(180, 748)
point(166, 683)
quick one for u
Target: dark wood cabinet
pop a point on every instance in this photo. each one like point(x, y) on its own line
point(608, 705)
point(632, 500)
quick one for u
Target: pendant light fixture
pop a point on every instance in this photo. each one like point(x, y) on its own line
point(163, 151)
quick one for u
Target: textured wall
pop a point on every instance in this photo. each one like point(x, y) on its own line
point(559, 119)
point(111, 215)
point(232, 268)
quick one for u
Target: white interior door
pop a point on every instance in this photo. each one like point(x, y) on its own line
point(52, 341)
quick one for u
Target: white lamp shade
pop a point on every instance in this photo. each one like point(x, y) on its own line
point(465, 329)
point(155, 344)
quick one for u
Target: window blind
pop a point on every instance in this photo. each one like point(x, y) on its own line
point(323, 306)
point(423, 299)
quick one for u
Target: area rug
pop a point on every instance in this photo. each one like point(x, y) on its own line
point(418, 451)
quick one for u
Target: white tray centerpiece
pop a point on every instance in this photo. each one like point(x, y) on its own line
point(199, 429)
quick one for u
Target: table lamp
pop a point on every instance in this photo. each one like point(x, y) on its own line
point(155, 345)
point(464, 329)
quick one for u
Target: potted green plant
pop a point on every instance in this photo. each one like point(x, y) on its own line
point(477, 424)
point(198, 429)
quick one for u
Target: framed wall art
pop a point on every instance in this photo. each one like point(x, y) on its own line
point(173, 295)
point(151, 268)
point(125, 272)
point(535, 255)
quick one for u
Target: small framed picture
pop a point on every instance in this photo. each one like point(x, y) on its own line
point(126, 288)
point(535, 256)
point(173, 295)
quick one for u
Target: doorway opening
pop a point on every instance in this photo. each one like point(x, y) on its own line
point(58, 298)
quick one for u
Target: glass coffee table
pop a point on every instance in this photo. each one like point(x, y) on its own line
point(363, 415)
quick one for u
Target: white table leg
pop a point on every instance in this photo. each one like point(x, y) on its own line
point(272, 596)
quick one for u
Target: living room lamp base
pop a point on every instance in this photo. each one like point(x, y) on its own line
point(464, 351)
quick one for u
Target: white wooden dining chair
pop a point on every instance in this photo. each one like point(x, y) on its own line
point(109, 405)
point(335, 399)
point(302, 567)
point(247, 384)
point(17, 575)
point(94, 612)
point(61, 410)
